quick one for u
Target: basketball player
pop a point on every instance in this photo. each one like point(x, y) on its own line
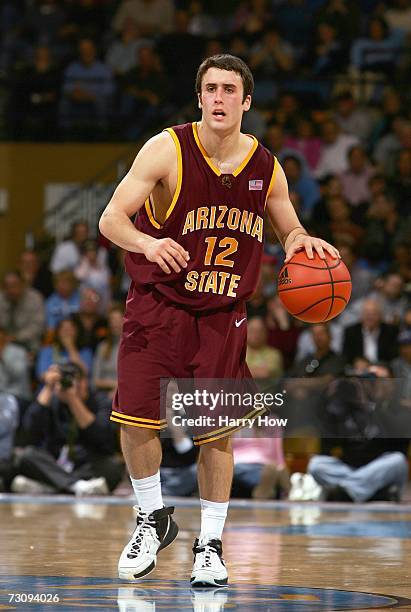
point(193, 254)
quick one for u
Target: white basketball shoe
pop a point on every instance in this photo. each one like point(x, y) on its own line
point(209, 567)
point(154, 531)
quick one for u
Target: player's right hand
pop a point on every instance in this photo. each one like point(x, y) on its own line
point(167, 253)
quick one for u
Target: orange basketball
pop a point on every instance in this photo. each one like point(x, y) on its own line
point(314, 290)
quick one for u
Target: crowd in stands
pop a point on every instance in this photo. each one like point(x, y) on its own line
point(331, 102)
point(104, 69)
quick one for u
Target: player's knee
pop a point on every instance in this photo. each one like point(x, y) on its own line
point(137, 434)
point(399, 464)
point(222, 445)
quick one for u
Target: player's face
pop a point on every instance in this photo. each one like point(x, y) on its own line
point(221, 99)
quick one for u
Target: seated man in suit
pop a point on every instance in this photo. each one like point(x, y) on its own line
point(371, 338)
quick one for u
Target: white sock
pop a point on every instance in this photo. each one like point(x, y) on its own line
point(148, 492)
point(213, 515)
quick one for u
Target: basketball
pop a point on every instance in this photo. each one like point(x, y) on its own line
point(314, 290)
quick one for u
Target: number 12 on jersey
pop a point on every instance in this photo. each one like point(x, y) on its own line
point(229, 246)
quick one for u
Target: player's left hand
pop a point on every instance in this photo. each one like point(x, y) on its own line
point(311, 244)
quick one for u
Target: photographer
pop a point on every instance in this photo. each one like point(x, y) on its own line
point(74, 442)
point(362, 410)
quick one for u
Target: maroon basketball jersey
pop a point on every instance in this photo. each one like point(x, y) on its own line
point(218, 218)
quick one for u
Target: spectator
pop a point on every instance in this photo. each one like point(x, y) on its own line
point(362, 277)
point(379, 50)
point(305, 142)
point(401, 366)
point(390, 295)
point(398, 15)
point(300, 180)
point(371, 338)
point(34, 99)
point(295, 20)
point(306, 345)
point(327, 55)
point(400, 185)
point(105, 359)
point(287, 111)
point(387, 149)
point(152, 17)
point(384, 229)
point(391, 108)
point(65, 349)
point(377, 185)
point(122, 54)
point(334, 159)
point(251, 18)
point(323, 364)
point(352, 119)
point(21, 312)
point(369, 466)
point(345, 15)
point(259, 465)
point(9, 421)
point(271, 57)
point(74, 442)
point(63, 302)
point(35, 273)
point(88, 88)
point(85, 19)
point(180, 53)
point(315, 372)
point(93, 272)
point(263, 360)
point(14, 369)
point(44, 24)
point(341, 227)
point(239, 47)
point(355, 180)
point(143, 91)
point(274, 139)
point(67, 254)
point(201, 22)
point(90, 319)
point(402, 261)
point(330, 186)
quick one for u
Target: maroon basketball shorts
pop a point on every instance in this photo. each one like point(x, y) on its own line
point(162, 340)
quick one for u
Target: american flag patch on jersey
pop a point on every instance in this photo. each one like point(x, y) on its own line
point(255, 185)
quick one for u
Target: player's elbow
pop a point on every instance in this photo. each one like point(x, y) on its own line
point(104, 224)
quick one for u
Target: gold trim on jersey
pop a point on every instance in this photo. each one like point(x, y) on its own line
point(125, 416)
point(247, 159)
point(271, 183)
point(149, 204)
point(150, 214)
point(124, 419)
point(228, 429)
point(214, 168)
point(133, 424)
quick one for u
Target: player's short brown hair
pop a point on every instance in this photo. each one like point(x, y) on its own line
point(225, 61)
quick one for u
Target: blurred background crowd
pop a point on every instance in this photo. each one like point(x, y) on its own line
point(331, 101)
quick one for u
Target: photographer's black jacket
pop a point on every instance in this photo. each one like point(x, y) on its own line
point(51, 427)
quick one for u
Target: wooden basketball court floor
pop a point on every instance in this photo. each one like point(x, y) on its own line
point(59, 553)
